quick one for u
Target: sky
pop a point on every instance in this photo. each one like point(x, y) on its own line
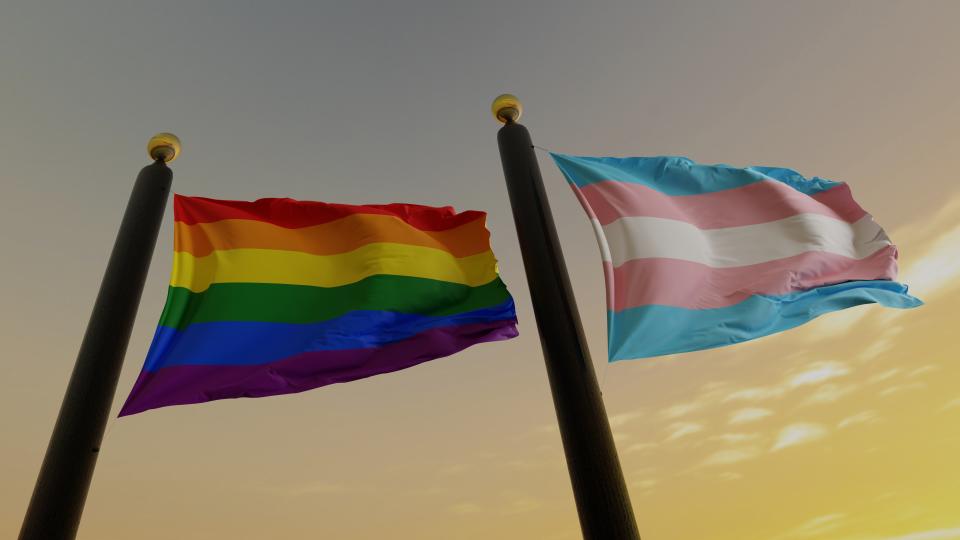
point(847, 428)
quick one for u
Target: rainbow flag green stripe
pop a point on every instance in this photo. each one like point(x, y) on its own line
point(272, 302)
point(277, 296)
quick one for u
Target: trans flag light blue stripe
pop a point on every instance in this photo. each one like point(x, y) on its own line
point(219, 343)
point(654, 330)
point(679, 175)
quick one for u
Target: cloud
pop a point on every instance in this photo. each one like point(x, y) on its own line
point(929, 263)
point(952, 404)
point(812, 374)
point(680, 409)
point(682, 429)
point(876, 348)
point(736, 438)
point(644, 484)
point(864, 417)
point(327, 488)
point(520, 504)
point(526, 465)
point(902, 388)
point(728, 457)
point(640, 447)
point(465, 508)
point(757, 393)
point(799, 433)
point(818, 373)
point(750, 414)
point(830, 393)
point(880, 377)
point(938, 268)
point(618, 420)
point(935, 534)
point(839, 323)
point(547, 428)
point(923, 370)
point(816, 526)
point(454, 469)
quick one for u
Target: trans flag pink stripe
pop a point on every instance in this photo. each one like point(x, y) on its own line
point(701, 256)
point(674, 282)
point(760, 202)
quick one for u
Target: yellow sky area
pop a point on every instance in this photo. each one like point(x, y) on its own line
point(845, 429)
point(848, 428)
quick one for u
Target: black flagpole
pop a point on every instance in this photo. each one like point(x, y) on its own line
point(57, 502)
point(603, 503)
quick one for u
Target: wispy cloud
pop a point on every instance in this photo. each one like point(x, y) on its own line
point(934, 534)
point(839, 323)
point(680, 409)
point(812, 374)
point(519, 504)
point(731, 456)
point(923, 370)
point(756, 393)
point(453, 469)
point(621, 419)
point(682, 429)
point(799, 433)
point(750, 414)
point(547, 428)
point(644, 484)
point(817, 526)
point(640, 447)
point(900, 388)
point(324, 488)
point(932, 266)
point(830, 393)
point(736, 438)
point(465, 508)
point(877, 348)
point(938, 268)
point(864, 417)
point(819, 372)
point(952, 404)
point(883, 376)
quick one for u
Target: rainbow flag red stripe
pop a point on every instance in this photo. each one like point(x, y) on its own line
point(277, 296)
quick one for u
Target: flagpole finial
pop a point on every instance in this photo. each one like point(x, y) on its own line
point(507, 108)
point(164, 147)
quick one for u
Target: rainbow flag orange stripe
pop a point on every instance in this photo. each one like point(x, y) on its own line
point(277, 296)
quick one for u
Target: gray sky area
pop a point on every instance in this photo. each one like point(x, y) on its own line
point(377, 102)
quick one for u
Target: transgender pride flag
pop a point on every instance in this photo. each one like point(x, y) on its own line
point(700, 256)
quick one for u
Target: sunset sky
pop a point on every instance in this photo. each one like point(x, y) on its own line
point(847, 428)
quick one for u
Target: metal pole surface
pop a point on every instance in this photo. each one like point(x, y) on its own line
point(61, 490)
point(603, 502)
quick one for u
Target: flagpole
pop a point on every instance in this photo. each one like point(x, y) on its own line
point(61, 489)
point(599, 490)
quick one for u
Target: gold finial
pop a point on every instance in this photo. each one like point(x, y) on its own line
point(507, 108)
point(164, 146)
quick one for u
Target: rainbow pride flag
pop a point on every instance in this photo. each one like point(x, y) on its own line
point(278, 296)
point(700, 256)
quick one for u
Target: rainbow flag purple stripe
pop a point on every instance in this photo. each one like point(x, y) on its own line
point(700, 256)
point(278, 296)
